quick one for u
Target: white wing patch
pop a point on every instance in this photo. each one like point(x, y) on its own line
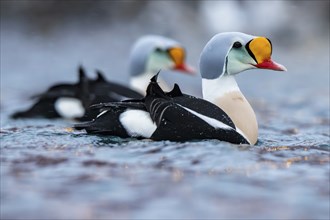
point(137, 123)
point(215, 123)
point(211, 121)
point(69, 107)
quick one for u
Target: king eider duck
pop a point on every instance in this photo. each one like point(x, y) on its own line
point(71, 101)
point(223, 113)
point(152, 53)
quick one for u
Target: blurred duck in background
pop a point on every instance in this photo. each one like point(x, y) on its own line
point(152, 53)
point(223, 113)
point(71, 101)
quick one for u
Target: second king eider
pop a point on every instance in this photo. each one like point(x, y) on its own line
point(223, 113)
point(149, 54)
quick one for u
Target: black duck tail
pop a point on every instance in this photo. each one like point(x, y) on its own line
point(17, 115)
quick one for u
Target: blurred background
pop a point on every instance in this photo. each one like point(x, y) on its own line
point(43, 42)
point(49, 170)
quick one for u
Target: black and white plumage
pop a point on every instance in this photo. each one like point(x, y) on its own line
point(223, 113)
point(180, 117)
point(72, 100)
point(174, 116)
point(149, 54)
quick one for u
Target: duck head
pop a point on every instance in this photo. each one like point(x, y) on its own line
point(152, 53)
point(233, 52)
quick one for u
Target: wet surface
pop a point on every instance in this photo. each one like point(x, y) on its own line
point(46, 167)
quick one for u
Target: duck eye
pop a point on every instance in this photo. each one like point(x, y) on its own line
point(158, 50)
point(237, 45)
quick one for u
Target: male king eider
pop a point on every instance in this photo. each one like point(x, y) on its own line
point(72, 100)
point(222, 114)
point(149, 54)
point(152, 53)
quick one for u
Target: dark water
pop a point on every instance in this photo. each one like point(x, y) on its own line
point(50, 171)
point(47, 167)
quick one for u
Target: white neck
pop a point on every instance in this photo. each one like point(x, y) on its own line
point(141, 82)
point(216, 88)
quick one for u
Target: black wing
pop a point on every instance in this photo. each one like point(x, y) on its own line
point(156, 96)
point(183, 117)
point(176, 123)
point(205, 108)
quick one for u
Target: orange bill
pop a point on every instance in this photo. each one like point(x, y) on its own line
point(178, 56)
point(260, 49)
